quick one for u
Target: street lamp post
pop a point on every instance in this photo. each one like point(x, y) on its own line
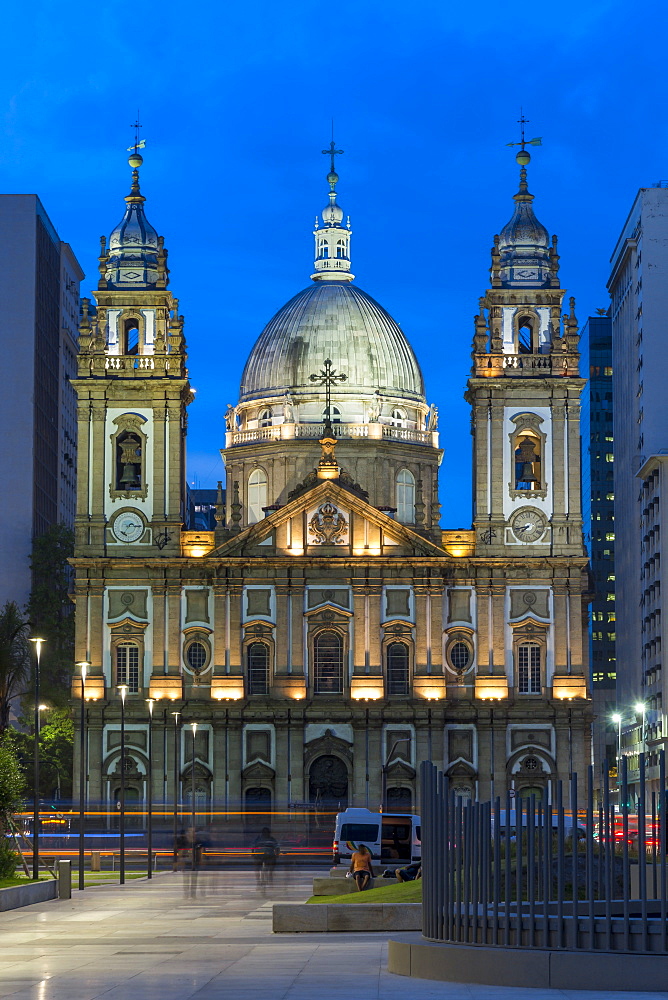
point(149, 790)
point(192, 794)
point(42, 708)
point(617, 719)
point(123, 689)
point(176, 782)
point(641, 709)
point(84, 665)
point(404, 739)
point(35, 818)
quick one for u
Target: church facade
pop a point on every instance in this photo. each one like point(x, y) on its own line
point(329, 635)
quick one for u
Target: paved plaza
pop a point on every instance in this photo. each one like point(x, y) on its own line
point(169, 940)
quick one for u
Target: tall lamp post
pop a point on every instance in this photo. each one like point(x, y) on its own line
point(83, 666)
point(176, 782)
point(35, 817)
point(617, 719)
point(404, 739)
point(123, 690)
point(192, 789)
point(149, 790)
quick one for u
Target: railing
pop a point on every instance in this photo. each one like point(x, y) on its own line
point(284, 432)
point(530, 365)
point(532, 873)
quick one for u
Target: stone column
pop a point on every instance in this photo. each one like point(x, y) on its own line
point(174, 627)
point(360, 657)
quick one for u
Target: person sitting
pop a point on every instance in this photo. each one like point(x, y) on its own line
point(361, 867)
point(409, 872)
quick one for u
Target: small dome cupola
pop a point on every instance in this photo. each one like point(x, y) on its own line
point(524, 244)
point(332, 242)
point(134, 246)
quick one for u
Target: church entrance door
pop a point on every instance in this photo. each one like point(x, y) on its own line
point(328, 783)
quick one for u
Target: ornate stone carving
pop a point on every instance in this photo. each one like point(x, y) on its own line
point(328, 526)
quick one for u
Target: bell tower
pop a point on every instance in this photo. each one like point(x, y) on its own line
point(525, 395)
point(132, 389)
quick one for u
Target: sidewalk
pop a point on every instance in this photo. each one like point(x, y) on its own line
point(168, 940)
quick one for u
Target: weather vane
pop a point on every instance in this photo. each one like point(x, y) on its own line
point(522, 121)
point(138, 145)
point(328, 378)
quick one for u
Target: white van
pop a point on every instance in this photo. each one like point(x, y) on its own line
point(392, 838)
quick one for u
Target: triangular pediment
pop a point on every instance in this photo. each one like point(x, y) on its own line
point(322, 516)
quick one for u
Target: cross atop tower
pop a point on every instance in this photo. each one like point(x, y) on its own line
point(522, 121)
point(137, 144)
point(332, 152)
point(328, 377)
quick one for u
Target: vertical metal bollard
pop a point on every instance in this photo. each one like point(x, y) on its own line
point(575, 844)
point(64, 879)
point(590, 856)
point(642, 851)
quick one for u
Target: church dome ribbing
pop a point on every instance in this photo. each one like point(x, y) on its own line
point(335, 320)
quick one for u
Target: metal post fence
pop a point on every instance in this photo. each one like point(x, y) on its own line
point(527, 871)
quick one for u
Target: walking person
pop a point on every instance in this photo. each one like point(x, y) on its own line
point(265, 851)
point(361, 867)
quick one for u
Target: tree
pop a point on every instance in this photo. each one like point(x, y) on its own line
point(14, 658)
point(12, 784)
point(50, 610)
point(56, 753)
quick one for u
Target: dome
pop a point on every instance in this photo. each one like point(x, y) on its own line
point(524, 243)
point(133, 244)
point(336, 320)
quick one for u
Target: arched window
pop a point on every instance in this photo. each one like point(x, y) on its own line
point(398, 418)
point(527, 461)
point(257, 495)
point(324, 249)
point(127, 666)
point(265, 418)
point(257, 665)
point(405, 499)
point(334, 415)
point(397, 668)
point(528, 668)
point(128, 462)
point(328, 663)
point(525, 338)
point(131, 337)
point(340, 248)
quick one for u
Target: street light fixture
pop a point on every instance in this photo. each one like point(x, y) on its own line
point(149, 790)
point(123, 690)
point(403, 739)
point(40, 709)
point(83, 667)
point(35, 819)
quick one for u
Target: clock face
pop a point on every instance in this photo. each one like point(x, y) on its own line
point(128, 526)
point(528, 524)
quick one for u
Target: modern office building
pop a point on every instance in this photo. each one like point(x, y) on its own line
point(598, 506)
point(39, 311)
point(638, 288)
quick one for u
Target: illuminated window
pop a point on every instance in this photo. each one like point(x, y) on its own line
point(397, 668)
point(328, 663)
point(528, 669)
point(127, 666)
point(257, 664)
point(257, 495)
point(610, 536)
point(405, 497)
point(527, 461)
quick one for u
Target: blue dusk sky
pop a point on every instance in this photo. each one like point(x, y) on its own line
point(236, 102)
